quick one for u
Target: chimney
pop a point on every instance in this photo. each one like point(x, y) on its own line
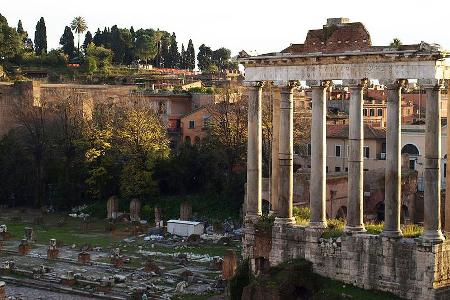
point(336, 21)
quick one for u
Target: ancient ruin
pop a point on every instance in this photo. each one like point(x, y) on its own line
point(413, 269)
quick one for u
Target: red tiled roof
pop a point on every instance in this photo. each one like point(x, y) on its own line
point(341, 131)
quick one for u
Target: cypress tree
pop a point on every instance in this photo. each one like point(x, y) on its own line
point(40, 38)
point(98, 38)
point(183, 58)
point(165, 55)
point(87, 40)
point(27, 43)
point(190, 56)
point(67, 42)
point(174, 55)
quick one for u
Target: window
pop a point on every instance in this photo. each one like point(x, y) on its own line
point(337, 169)
point(205, 121)
point(346, 169)
point(380, 112)
point(327, 169)
point(365, 112)
point(337, 150)
point(372, 112)
point(187, 140)
point(366, 152)
point(191, 124)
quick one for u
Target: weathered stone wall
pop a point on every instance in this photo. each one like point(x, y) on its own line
point(406, 267)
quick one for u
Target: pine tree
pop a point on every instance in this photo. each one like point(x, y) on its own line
point(67, 42)
point(204, 57)
point(87, 40)
point(190, 56)
point(40, 38)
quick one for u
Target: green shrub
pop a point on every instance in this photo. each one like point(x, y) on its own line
point(334, 229)
point(302, 215)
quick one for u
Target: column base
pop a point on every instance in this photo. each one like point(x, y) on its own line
point(251, 218)
point(432, 236)
point(284, 221)
point(354, 229)
point(395, 234)
point(318, 225)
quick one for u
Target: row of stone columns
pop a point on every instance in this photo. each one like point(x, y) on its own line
point(432, 227)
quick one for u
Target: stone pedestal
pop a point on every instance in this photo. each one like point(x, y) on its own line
point(185, 211)
point(84, 258)
point(112, 207)
point(280, 249)
point(2, 290)
point(29, 236)
point(24, 247)
point(135, 210)
point(229, 264)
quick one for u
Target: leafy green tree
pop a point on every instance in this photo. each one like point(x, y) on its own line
point(87, 40)
point(102, 57)
point(79, 25)
point(204, 57)
point(190, 56)
point(221, 58)
point(67, 42)
point(10, 40)
point(145, 48)
point(40, 37)
point(396, 43)
point(165, 51)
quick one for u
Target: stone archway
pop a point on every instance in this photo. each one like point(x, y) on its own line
point(379, 209)
point(341, 213)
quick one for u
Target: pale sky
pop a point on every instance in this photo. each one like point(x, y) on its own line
point(261, 25)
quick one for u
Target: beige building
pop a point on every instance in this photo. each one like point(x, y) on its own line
point(338, 147)
point(413, 144)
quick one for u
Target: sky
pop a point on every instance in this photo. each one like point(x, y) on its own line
point(251, 25)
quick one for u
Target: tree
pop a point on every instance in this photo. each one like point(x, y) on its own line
point(87, 40)
point(174, 56)
point(98, 38)
point(190, 56)
point(67, 42)
point(204, 57)
point(396, 43)
point(145, 48)
point(183, 58)
point(98, 57)
point(10, 40)
point(40, 38)
point(26, 41)
point(79, 25)
point(221, 58)
point(165, 51)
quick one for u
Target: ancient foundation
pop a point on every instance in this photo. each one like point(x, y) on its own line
point(409, 268)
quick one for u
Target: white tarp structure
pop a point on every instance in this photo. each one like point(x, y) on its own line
point(185, 228)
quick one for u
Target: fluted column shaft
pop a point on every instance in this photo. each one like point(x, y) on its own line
point(275, 174)
point(286, 148)
point(432, 172)
point(318, 157)
point(392, 199)
point(355, 161)
point(254, 152)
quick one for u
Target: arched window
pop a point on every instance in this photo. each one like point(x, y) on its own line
point(187, 140)
point(410, 149)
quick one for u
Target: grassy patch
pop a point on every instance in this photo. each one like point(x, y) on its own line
point(302, 215)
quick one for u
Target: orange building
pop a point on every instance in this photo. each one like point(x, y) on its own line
point(194, 125)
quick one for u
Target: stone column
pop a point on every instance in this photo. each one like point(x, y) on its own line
point(355, 158)
point(392, 199)
point(275, 175)
point(432, 173)
point(318, 154)
point(254, 152)
point(447, 177)
point(286, 179)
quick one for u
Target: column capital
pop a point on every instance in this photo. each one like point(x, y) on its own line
point(318, 83)
point(355, 83)
point(287, 86)
point(436, 84)
point(394, 84)
point(255, 84)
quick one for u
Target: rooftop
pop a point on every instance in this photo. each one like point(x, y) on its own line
point(341, 131)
